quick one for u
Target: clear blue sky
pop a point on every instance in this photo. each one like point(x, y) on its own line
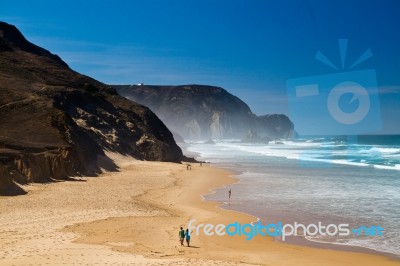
point(248, 47)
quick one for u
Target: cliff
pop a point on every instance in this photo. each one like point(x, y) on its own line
point(206, 112)
point(55, 122)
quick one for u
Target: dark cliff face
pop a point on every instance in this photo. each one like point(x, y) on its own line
point(11, 39)
point(54, 122)
point(275, 126)
point(205, 112)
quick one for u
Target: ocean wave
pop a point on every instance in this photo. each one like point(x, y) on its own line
point(298, 190)
point(380, 150)
point(387, 167)
point(387, 150)
point(346, 162)
point(327, 152)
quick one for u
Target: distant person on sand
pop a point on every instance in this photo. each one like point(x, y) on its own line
point(188, 167)
point(201, 164)
point(187, 235)
point(230, 194)
point(182, 236)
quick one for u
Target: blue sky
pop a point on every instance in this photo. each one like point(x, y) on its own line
point(251, 48)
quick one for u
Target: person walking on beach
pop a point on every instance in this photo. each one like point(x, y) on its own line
point(182, 236)
point(187, 235)
point(229, 193)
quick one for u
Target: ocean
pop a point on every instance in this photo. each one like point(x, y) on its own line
point(340, 180)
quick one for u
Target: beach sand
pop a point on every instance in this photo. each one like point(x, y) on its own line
point(133, 217)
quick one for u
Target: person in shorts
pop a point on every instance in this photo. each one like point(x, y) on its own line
point(181, 236)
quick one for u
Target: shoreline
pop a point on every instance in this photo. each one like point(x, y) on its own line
point(220, 248)
point(298, 240)
point(133, 217)
point(302, 240)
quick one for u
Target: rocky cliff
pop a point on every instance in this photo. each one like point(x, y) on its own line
point(55, 122)
point(206, 112)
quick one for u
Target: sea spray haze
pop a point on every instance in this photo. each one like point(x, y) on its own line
point(206, 112)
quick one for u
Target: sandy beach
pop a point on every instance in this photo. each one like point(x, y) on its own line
point(132, 217)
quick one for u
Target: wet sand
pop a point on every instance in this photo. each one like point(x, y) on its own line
point(133, 217)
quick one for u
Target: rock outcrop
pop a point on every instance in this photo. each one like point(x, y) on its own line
point(206, 112)
point(275, 126)
point(5, 180)
point(55, 122)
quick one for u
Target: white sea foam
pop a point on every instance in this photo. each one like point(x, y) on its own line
point(385, 150)
point(364, 191)
point(320, 152)
point(388, 167)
